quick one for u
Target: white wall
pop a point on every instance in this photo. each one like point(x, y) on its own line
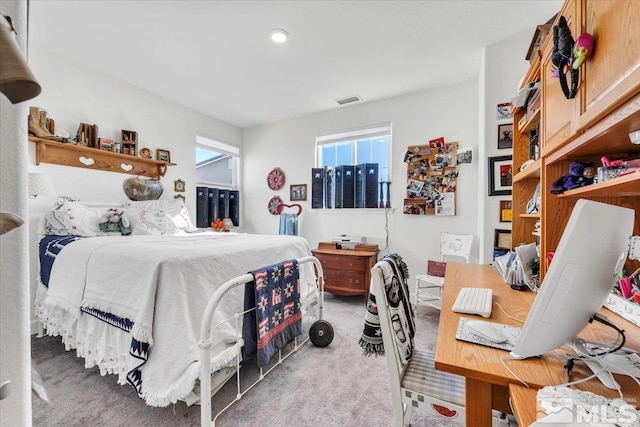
point(15, 410)
point(504, 65)
point(72, 94)
point(463, 113)
point(416, 118)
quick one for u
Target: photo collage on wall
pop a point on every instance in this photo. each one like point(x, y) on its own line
point(432, 175)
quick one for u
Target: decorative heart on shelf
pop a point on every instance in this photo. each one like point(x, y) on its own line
point(87, 161)
point(126, 167)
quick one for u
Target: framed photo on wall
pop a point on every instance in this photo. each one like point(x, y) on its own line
point(502, 239)
point(298, 192)
point(505, 211)
point(505, 135)
point(500, 175)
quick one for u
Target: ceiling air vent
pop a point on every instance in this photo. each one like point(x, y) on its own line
point(348, 99)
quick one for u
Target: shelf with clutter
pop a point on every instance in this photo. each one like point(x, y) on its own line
point(89, 151)
point(68, 154)
point(593, 119)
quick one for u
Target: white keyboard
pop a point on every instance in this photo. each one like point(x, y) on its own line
point(474, 301)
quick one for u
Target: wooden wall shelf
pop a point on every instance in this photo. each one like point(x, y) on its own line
point(66, 154)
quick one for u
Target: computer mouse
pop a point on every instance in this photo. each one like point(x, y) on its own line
point(486, 330)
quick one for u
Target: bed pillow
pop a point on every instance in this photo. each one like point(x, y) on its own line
point(148, 222)
point(74, 218)
point(175, 209)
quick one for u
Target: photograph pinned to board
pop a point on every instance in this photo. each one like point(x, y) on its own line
point(500, 175)
point(446, 204)
point(503, 111)
point(465, 156)
point(431, 175)
point(505, 136)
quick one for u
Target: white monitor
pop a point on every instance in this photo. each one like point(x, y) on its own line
point(591, 253)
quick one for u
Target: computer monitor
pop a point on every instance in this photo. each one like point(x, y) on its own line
point(587, 261)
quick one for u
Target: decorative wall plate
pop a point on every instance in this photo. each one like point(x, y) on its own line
point(145, 153)
point(273, 205)
point(276, 179)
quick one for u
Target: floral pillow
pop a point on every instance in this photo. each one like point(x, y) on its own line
point(73, 218)
point(175, 209)
point(148, 222)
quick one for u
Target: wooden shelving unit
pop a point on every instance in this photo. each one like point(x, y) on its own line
point(595, 123)
point(66, 154)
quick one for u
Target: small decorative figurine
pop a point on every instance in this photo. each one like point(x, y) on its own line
point(580, 174)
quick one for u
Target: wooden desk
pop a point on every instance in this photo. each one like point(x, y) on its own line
point(487, 379)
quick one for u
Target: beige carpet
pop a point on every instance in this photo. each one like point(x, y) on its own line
point(330, 386)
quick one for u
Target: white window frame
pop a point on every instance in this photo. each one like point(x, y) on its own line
point(353, 135)
point(222, 147)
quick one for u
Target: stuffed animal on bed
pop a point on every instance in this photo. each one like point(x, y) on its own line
point(115, 221)
point(580, 174)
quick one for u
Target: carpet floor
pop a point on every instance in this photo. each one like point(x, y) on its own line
point(316, 387)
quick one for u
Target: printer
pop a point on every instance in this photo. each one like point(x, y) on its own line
point(348, 242)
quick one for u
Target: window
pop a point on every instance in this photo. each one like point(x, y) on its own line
point(217, 163)
point(365, 145)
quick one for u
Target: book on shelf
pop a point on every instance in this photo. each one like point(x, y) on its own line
point(524, 94)
point(534, 106)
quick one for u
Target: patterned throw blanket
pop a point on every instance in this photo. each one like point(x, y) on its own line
point(50, 247)
point(277, 319)
point(395, 274)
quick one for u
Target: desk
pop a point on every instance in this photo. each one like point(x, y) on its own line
point(487, 379)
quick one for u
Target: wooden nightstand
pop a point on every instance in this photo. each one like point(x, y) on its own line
point(346, 271)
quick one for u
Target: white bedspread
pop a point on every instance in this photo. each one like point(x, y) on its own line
point(162, 284)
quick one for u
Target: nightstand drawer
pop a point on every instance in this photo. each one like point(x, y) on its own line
point(352, 263)
point(342, 282)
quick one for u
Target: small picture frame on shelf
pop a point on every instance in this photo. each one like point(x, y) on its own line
point(502, 239)
point(505, 136)
point(178, 185)
point(505, 211)
point(500, 175)
point(163, 155)
point(298, 192)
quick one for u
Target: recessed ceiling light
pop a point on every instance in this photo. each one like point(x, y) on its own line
point(279, 36)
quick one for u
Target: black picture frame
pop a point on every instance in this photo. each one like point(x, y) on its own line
point(505, 136)
point(500, 175)
point(502, 238)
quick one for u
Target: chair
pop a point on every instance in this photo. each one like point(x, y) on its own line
point(428, 290)
point(415, 383)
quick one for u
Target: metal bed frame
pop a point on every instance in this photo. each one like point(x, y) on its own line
point(206, 339)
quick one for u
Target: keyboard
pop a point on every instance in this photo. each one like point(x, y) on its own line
point(474, 301)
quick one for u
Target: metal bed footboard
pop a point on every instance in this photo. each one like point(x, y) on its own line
point(206, 339)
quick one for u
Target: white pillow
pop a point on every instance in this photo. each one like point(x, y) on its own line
point(148, 222)
point(76, 219)
point(175, 209)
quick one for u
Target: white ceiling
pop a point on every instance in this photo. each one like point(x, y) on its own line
point(216, 56)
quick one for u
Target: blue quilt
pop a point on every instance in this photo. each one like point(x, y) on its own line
point(277, 319)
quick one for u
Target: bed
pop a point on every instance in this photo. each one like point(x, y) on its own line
point(133, 305)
